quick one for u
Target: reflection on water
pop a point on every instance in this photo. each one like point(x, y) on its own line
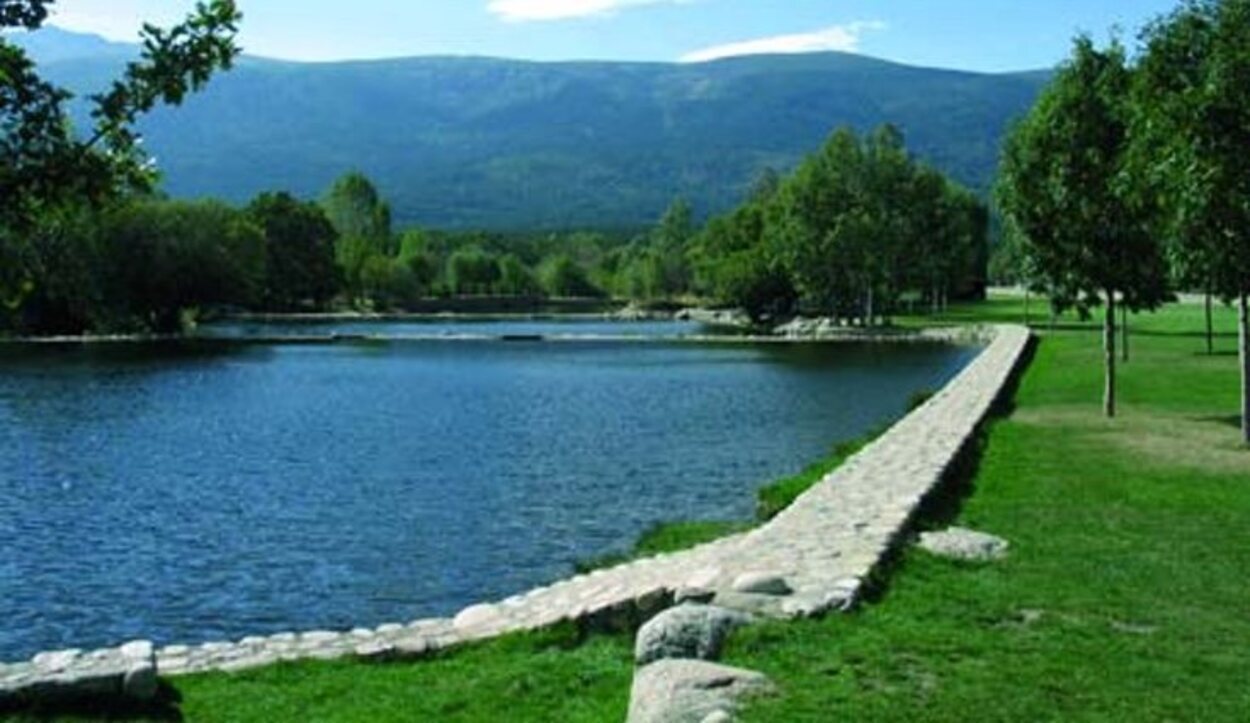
point(198, 491)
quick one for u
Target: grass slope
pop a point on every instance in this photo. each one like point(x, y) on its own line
point(1124, 596)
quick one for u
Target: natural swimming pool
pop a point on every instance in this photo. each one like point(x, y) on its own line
point(206, 491)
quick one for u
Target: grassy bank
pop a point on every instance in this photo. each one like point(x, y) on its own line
point(1124, 596)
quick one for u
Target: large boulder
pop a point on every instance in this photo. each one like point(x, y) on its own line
point(957, 543)
point(691, 691)
point(688, 631)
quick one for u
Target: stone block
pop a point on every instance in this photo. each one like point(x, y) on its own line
point(688, 631)
point(689, 691)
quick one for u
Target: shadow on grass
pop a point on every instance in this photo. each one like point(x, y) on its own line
point(1233, 420)
point(163, 707)
point(1175, 334)
point(943, 505)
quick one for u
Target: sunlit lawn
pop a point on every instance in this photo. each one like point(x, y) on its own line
point(1125, 595)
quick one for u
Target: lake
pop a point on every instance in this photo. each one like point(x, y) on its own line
point(187, 492)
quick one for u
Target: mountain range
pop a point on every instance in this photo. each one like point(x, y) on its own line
point(459, 142)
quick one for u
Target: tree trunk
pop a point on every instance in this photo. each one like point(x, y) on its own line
point(1210, 328)
point(1108, 400)
point(1124, 332)
point(1245, 368)
point(868, 310)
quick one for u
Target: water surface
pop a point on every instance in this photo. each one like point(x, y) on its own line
point(194, 492)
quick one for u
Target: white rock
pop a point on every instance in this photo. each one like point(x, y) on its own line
point(688, 691)
point(958, 543)
point(319, 637)
point(475, 616)
point(56, 660)
point(762, 583)
point(688, 631)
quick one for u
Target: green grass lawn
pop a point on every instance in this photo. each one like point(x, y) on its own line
point(1125, 596)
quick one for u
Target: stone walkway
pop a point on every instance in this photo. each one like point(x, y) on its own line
point(811, 559)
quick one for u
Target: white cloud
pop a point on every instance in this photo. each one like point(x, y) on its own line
point(839, 37)
point(524, 10)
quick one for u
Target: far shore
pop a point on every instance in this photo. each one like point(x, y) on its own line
point(953, 335)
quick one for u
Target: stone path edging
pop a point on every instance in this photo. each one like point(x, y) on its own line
point(813, 558)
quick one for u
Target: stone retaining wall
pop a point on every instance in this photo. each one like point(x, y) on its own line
point(813, 558)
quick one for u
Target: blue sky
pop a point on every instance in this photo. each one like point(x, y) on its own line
point(984, 35)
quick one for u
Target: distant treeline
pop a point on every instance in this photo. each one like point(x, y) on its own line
point(858, 230)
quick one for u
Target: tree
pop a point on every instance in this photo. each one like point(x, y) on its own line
point(561, 277)
point(1193, 129)
point(890, 174)
point(946, 244)
point(416, 256)
point(515, 278)
point(46, 167)
point(736, 268)
point(1017, 266)
point(1062, 185)
point(299, 243)
point(471, 271)
point(840, 224)
point(363, 222)
point(169, 258)
point(756, 284)
point(807, 226)
point(670, 240)
point(64, 254)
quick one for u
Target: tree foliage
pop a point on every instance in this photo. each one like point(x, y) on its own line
point(363, 223)
point(168, 258)
point(46, 165)
point(300, 248)
point(1064, 187)
point(859, 224)
point(1192, 132)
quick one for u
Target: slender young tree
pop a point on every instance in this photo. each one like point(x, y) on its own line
point(1192, 127)
point(362, 221)
point(1061, 185)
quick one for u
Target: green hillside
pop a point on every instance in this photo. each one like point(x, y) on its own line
point(460, 142)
